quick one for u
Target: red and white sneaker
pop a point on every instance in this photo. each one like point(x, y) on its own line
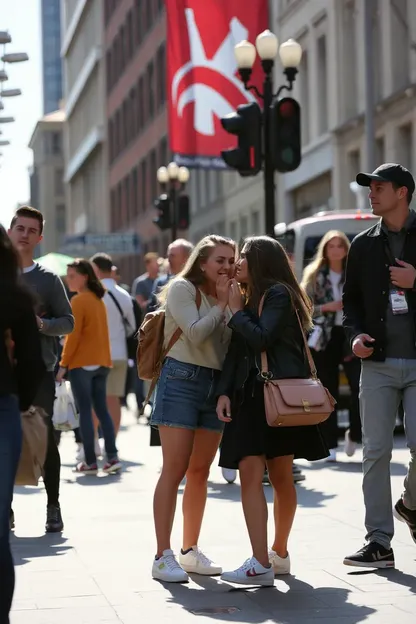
point(113, 466)
point(251, 573)
point(88, 469)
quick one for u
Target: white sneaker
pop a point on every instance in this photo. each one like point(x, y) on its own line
point(332, 457)
point(250, 573)
point(97, 448)
point(229, 474)
point(80, 456)
point(195, 562)
point(280, 565)
point(350, 446)
point(167, 569)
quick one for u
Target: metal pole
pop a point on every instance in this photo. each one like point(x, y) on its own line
point(369, 85)
point(268, 164)
point(174, 211)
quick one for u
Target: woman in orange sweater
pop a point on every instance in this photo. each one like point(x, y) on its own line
point(86, 355)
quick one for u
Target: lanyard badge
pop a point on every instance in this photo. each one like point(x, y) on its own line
point(398, 301)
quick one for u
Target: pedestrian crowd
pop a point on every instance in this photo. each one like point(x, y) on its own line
point(232, 354)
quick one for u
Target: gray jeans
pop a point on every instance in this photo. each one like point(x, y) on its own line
point(382, 386)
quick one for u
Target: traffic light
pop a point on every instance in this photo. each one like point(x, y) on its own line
point(162, 205)
point(246, 123)
point(285, 135)
point(183, 212)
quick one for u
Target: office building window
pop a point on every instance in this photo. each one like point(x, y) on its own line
point(60, 219)
point(56, 143)
point(138, 21)
point(380, 151)
point(354, 164)
point(153, 175)
point(348, 83)
point(243, 227)
point(405, 146)
point(59, 181)
point(144, 197)
point(161, 75)
point(322, 91)
point(140, 105)
point(134, 194)
point(129, 34)
point(163, 152)
point(402, 46)
point(149, 14)
point(150, 90)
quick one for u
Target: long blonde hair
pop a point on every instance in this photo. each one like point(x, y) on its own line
point(321, 259)
point(192, 270)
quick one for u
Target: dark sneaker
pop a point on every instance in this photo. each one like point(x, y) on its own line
point(297, 474)
point(54, 523)
point(113, 466)
point(402, 513)
point(372, 555)
point(11, 519)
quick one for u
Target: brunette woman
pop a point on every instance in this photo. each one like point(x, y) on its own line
point(21, 370)
point(248, 442)
point(323, 280)
point(185, 403)
point(86, 355)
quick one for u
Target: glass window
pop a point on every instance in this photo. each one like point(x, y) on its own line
point(59, 182)
point(56, 143)
point(151, 90)
point(60, 219)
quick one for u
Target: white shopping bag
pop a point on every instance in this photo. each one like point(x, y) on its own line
point(65, 414)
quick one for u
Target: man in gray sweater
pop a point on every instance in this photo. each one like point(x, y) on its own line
point(54, 317)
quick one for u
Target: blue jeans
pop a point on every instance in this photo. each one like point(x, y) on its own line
point(186, 397)
point(10, 449)
point(89, 388)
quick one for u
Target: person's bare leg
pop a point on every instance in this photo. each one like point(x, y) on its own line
point(285, 501)
point(205, 447)
point(114, 407)
point(176, 450)
point(254, 505)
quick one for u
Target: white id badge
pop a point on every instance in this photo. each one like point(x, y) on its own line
point(398, 302)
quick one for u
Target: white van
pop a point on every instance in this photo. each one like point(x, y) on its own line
point(301, 238)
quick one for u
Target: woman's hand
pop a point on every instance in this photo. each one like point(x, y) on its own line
point(332, 306)
point(235, 298)
point(61, 374)
point(224, 408)
point(223, 288)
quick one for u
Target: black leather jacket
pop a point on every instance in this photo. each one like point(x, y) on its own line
point(277, 332)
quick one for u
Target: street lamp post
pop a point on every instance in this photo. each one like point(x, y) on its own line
point(290, 53)
point(173, 179)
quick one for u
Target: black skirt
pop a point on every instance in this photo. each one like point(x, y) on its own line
point(249, 434)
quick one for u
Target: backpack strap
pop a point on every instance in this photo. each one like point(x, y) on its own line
point(173, 340)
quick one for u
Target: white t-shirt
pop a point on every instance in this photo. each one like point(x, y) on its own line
point(115, 322)
point(335, 279)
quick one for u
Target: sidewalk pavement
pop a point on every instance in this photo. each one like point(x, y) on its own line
point(98, 571)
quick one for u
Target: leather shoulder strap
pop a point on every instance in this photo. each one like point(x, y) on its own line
point(264, 361)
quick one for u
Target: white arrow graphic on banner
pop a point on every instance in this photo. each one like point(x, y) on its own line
point(208, 101)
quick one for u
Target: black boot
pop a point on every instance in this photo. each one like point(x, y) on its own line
point(54, 523)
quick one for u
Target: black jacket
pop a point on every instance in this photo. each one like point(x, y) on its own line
point(21, 378)
point(277, 332)
point(367, 284)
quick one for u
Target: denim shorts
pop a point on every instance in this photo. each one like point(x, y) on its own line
point(186, 397)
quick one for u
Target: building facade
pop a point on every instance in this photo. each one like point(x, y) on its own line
point(86, 159)
point(47, 192)
point(331, 89)
point(51, 55)
point(135, 52)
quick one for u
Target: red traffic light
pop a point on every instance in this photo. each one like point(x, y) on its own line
point(286, 109)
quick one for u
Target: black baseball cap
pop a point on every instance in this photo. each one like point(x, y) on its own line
point(389, 172)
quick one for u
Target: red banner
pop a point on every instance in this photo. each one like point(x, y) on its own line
point(203, 81)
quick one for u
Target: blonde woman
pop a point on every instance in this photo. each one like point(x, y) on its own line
point(184, 408)
point(323, 280)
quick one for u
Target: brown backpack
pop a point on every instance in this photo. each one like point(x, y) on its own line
point(150, 351)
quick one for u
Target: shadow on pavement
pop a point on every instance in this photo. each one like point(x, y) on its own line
point(394, 576)
point(288, 602)
point(26, 548)
point(397, 469)
point(231, 492)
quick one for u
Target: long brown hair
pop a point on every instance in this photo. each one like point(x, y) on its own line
point(84, 267)
point(192, 270)
point(268, 265)
point(321, 259)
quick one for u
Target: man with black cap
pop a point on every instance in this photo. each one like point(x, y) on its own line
point(380, 319)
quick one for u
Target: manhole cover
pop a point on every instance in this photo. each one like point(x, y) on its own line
point(216, 610)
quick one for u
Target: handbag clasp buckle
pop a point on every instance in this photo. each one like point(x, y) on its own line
point(306, 405)
point(266, 375)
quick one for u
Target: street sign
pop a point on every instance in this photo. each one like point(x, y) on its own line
point(117, 244)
